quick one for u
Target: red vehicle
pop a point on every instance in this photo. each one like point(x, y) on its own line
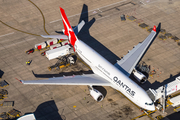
point(30, 51)
point(43, 53)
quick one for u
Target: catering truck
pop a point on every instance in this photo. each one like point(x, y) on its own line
point(59, 52)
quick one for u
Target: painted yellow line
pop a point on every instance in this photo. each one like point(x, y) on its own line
point(42, 16)
point(28, 32)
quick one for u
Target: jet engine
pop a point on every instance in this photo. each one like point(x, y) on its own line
point(139, 76)
point(98, 96)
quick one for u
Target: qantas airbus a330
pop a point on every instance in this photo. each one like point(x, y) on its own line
point(105, 73)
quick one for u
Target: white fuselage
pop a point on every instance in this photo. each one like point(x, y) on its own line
point(119, 80)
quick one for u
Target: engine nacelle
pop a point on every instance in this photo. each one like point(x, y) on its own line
point(98, 96)
point(139, 76)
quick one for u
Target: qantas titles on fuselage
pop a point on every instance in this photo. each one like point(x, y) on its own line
point(119, 82)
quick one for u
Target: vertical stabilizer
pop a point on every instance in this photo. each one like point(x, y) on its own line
point(68, 29)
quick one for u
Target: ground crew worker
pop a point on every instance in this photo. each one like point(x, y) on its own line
point(28, 62)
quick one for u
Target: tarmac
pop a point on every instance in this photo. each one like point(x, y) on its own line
point(22, 21)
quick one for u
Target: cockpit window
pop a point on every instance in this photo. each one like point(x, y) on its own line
point(149, 103)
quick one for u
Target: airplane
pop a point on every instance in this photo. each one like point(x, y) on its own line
point(104, 72)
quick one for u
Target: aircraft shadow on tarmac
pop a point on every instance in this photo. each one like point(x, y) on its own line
point(1, 73)
point(85, 36)
point(48, 111)
point(157, 84)
point(174, 116)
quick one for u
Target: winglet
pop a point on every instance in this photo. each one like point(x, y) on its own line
point(154, 29)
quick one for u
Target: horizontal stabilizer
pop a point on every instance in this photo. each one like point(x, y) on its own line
point(75, 29)
point(79, 27)
point(55, 36)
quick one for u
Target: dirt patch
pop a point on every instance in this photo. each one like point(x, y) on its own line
point(113, 103)
point(126, 110)
point(116, 115)
point(110, 100)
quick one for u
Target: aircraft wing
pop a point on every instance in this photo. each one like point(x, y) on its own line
point(130, 60)
point(89, 79)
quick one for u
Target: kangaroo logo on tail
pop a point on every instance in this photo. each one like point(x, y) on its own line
point(68, 29)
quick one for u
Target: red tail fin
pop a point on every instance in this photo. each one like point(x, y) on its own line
point(68, 29)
